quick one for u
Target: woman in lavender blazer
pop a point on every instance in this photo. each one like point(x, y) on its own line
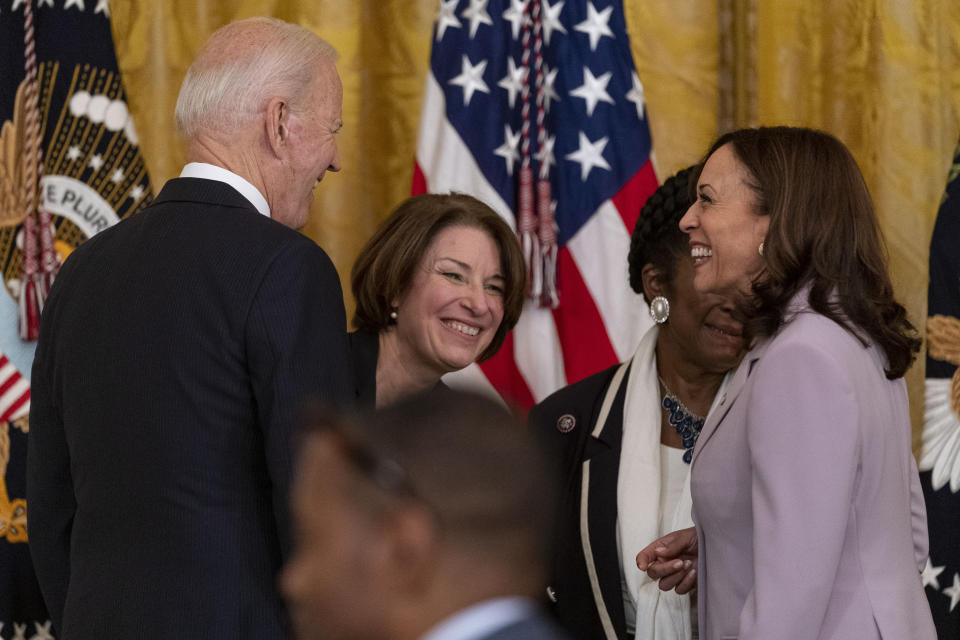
point(810, 521)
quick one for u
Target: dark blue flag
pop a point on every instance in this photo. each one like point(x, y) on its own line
point(87, 173)
point(940, 458)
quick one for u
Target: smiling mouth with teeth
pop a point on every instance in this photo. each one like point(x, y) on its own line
point(700, 254)
point(463, 328)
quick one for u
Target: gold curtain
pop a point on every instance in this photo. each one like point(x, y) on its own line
point(882, 75)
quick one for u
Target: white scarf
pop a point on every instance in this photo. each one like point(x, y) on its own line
point(661, 615)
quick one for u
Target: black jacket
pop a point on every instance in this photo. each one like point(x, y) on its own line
point(364, 351)
point(565, 421)
point(175, 351)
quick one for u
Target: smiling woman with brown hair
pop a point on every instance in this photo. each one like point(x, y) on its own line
point(438, 287)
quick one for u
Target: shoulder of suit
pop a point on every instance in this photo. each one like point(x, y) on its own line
point(299, 251)
point(818, 331)
point(813, 338)
point(576, 401)
point(586, 387)
point(224, 204)
point(90, 245)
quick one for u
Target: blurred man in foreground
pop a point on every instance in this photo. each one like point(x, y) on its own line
point(427, 520)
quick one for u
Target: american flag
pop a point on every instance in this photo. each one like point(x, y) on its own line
point(14, 392)
point(570, 62)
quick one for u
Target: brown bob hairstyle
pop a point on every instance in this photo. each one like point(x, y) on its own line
point(385, 267)
point(823, 233)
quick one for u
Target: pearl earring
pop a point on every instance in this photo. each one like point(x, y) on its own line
point(659, 309)
point(393, 314)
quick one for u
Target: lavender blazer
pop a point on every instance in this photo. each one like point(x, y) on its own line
point(806, 496)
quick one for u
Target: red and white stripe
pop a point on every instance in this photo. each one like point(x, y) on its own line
point(599, 320)
point(14, 392)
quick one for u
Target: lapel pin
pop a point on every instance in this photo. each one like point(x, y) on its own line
point(566, 423)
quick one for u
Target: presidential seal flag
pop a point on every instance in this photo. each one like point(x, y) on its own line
point(70, 166)
point(535, 107)
point(940, 457)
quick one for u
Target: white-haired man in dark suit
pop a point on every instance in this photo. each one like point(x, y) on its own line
point(175, 351)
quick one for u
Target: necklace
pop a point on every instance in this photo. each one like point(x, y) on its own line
point(686, 423)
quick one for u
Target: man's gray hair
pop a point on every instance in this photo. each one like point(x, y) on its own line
point(243, 65)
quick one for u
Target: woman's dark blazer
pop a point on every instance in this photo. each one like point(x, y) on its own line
point(565, 421)
point(364, 351)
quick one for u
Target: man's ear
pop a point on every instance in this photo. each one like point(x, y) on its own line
point(653, 284)
point(278, 125)
point(412, 549)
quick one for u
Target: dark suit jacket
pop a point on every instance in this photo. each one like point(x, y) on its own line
point(175, 351)
point(571, 588)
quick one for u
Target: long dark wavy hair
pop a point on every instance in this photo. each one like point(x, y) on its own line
point(823, 233)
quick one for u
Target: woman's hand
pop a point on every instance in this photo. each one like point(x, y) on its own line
point(672, 560)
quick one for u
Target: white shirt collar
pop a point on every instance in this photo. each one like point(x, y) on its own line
point(481, 619)
point(213, 172)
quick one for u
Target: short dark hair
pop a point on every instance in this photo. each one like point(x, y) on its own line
point(657, 238)
point(469, 460)
point(823, 233)
point(385, 267)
